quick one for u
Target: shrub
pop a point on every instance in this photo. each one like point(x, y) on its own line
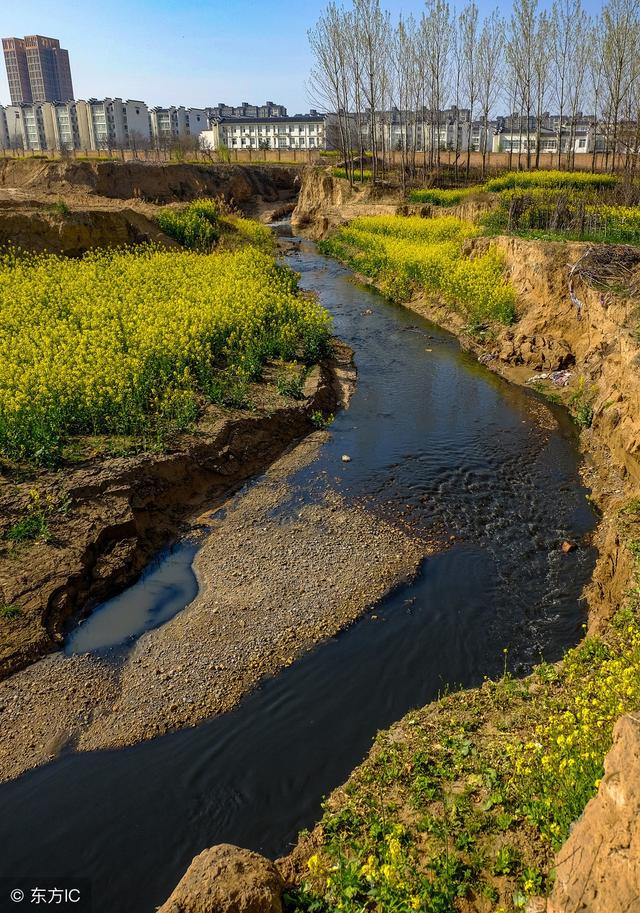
point(196, 227)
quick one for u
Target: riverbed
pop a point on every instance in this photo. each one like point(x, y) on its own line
point(447, 453)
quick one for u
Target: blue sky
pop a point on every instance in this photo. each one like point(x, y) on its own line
point(191, 52)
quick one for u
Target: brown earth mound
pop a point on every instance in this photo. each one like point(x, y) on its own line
point(74, 232)
point(227, 879)
point(148, 181)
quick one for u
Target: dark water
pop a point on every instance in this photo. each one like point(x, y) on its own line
point(437, 443)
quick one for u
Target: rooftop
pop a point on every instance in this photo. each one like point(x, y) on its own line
point(297, 118)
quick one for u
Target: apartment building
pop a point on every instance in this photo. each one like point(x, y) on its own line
point(15, 60)
point(298, 131)
point(268, 109)
point(168, 124)
point(60, 123)
point(4, 133)
point(397, 130)
point(25, 127)
point(108, 123)
point(112, 123)
point(38, 70)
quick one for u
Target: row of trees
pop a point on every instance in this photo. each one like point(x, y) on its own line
point(367, 65)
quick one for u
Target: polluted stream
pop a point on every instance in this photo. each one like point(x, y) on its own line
point(437, 444)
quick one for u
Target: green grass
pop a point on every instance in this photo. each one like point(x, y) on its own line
point(35, 522)
point(10, 611)
point(474, 794)
point(556, 214)
point(290, 382)
point(365, 175)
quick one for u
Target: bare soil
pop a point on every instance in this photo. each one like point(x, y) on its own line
point(114, 204)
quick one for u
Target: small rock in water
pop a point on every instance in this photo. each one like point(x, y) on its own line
point(568, 546)
point(346, 458)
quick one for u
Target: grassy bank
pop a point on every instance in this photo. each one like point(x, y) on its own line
point(462, 804)
point(409, 255)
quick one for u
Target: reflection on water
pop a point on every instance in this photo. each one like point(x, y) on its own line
point(167, 586)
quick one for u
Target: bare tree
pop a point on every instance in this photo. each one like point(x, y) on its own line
point(620, 34)
point(469, 41)
point(489, 57)
point(561, 47)
point(541, 59)
point(436, 32)
point(328, 81)
point(522, 41)
point(580, 62)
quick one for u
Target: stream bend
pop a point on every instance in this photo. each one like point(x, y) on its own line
point(437, 444)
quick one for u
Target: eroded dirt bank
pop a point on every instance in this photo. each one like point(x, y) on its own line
point(109, 515)
point(326, 202)
point(146, 181)
point(71, 207)
point(37, 228)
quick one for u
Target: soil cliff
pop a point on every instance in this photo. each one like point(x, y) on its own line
point(326, 202)
point(147, 181)
point(597, 870)
point(74, 232)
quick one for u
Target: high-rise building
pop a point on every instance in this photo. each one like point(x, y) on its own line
point(38, 69)
point(15, 59)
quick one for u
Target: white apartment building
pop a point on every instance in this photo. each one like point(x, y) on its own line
point(168, 124)
point(111, 123)
point(583, 138)
point(96, 124)
point(60, 126)
point(298, 131)
point(25, 127)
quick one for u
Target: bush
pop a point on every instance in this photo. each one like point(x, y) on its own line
point(196, 227)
